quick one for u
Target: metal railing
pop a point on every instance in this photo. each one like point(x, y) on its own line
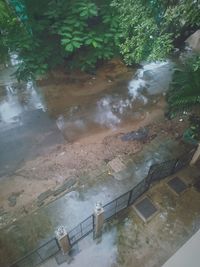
point(156, 172)
point(81, 230)
point(39, 255)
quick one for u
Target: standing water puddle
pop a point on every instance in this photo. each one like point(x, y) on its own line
point(99, 110)
point(26, 109)
point(125, 102)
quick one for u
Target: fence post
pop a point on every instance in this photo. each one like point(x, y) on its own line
point(196, 156)
point(130, 196)
point(174, 167)
point(63, 239)
point(98, 219)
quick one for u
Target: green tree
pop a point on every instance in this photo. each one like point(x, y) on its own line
point(184, 93)
point(87, 31)
point(151, 27)
point(7, 21)
point(81, 33)
point(78, 33)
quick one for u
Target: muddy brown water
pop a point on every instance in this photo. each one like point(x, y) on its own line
point(67, 111)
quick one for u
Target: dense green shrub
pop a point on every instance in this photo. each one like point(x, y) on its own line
point(184, 92)
point(150, 28)
point(76, 33)
point(81, 33)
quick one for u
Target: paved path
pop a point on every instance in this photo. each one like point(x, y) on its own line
point(188, 255)
point(75, 206)
point(105, 253)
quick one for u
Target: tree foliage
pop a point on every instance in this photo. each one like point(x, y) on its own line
point(8, 24)
point(151, 27)
point(81, 33)
point(184, 93)
point(77, 33)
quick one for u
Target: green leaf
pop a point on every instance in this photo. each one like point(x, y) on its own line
point(65, 41)
point(69, 48)
point(94, 43)
point(76, 44)
point(66, 34)
point(84, 14)
point(88, 41)
point(78, 39)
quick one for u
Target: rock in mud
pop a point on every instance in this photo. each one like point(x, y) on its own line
point(45, 195)
point(116, 165)
point(139, 135)
point(68, 183)
point(12, 199)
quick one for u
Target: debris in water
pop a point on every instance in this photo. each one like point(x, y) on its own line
point(138, 135)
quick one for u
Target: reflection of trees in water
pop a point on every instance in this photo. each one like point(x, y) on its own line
point(18, 97)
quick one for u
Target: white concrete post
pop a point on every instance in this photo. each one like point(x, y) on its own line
point(196, 156)
point(98, 219)
point(63, 239)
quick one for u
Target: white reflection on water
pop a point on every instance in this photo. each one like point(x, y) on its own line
point(17, 100)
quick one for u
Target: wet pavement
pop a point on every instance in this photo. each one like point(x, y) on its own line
point(101, 253)
point(36, 133)
point(127, 241)
point(25, 129)
point(69, 210)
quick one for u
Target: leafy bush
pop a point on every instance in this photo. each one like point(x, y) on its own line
point(150, 27)
point(192, 134)
point(87, 31)
point(184, 93)
point(76, 33)
point(81, 33)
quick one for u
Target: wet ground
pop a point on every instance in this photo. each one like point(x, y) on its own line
point(127, 241)
point(70, 126)
point(32, 138)
point(33, 118)
point(25, 129)
point(69, 210)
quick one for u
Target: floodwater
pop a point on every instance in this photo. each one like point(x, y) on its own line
point(94, 112)
point(29, 125)
point(28, 113)
point(25, 128)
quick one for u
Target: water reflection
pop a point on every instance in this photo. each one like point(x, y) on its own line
point(85, 113)
point(110, 110)
point(155, 77)
point(15, 99)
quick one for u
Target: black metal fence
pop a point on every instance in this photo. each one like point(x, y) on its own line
point(156, 172)
point(38, 255)
point(113, 207)
point(81, 230)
